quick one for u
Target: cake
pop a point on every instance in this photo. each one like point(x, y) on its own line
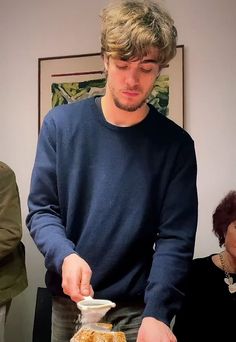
point(99, 333)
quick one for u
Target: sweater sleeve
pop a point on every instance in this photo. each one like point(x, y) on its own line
point(44, 219)
point(176, 236)
point(10, 212)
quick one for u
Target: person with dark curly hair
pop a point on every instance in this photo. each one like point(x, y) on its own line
point(208, 312)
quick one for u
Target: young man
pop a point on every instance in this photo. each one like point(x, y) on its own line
point(13, 279)
point(113, 202)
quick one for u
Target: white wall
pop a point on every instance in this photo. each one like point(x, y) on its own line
point(30, 29)
point(207, 29)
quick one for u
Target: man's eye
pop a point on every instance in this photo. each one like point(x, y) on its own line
point(121, 66)
point(146, 70)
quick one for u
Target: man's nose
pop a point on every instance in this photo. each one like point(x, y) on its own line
point(132, 78)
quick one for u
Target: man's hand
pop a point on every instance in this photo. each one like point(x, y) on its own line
point(152, 330)
point(76, 275)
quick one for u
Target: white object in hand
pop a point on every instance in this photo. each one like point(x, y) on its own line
point(92, 310)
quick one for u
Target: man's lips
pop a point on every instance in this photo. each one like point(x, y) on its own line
point(130, 92)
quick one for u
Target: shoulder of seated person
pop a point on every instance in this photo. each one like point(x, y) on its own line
point(6, 171)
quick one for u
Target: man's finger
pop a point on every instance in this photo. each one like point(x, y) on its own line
point(85, 283)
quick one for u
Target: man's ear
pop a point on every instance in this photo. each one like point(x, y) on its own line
point(105, 61)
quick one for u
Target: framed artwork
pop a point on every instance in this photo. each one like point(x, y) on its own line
point(65, 79)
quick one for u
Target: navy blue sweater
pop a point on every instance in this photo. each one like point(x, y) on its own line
point(110, 194)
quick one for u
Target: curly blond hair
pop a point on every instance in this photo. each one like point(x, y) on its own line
point(130, 28)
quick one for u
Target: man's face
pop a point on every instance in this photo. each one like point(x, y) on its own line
point(129, 83)
point(230, 240)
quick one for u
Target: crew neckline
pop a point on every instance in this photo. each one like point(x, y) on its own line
point(102, 119)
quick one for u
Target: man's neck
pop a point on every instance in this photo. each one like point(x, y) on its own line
point(122, 118)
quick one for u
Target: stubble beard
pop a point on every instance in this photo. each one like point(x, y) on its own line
point(128, 108)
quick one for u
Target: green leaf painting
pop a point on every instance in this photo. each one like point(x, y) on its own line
point(63, 93)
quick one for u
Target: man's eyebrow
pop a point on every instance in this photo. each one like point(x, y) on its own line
point(149, 61)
